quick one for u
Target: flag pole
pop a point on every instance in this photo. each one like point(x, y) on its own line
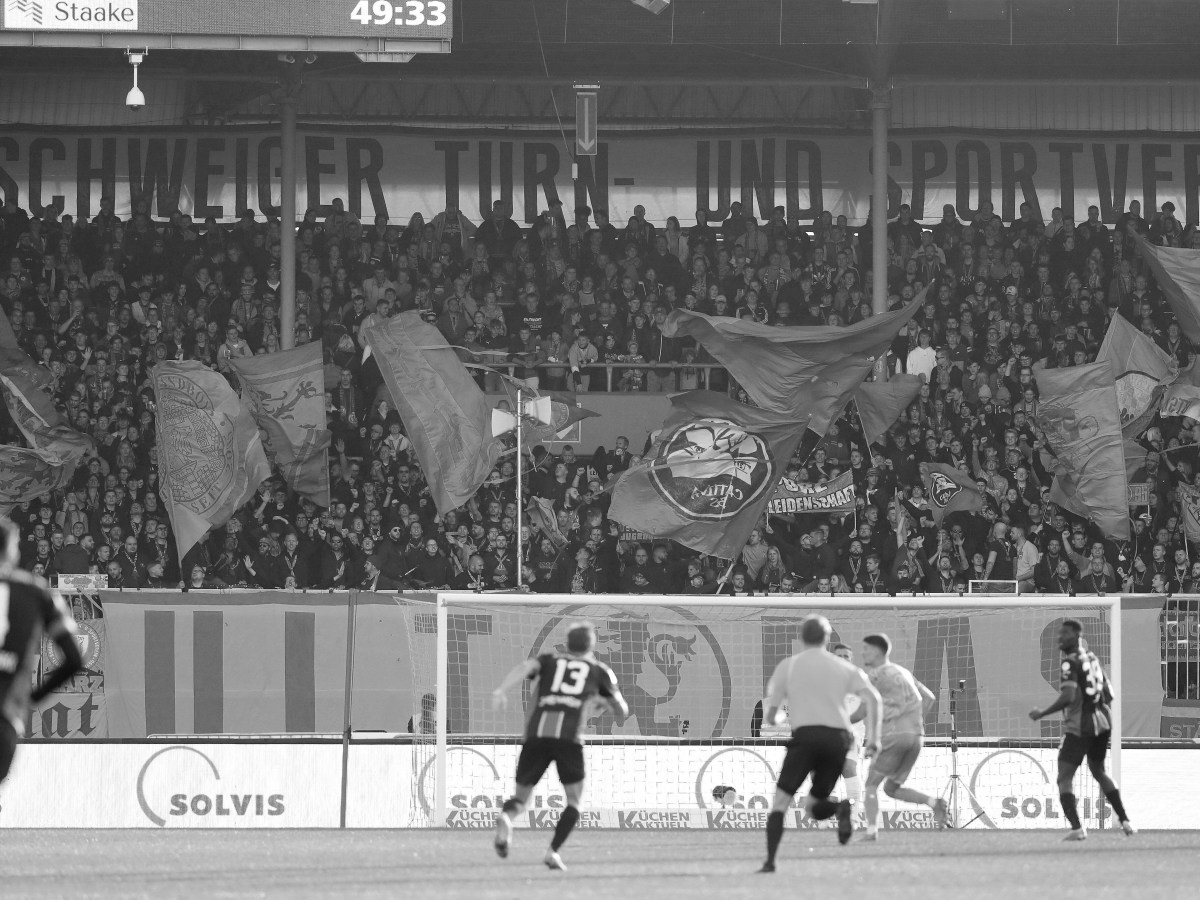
point(520, 489)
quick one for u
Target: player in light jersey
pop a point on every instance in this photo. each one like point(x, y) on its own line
point(814, 684)
point(566, 685)
point(858, 731)
point(904, 702)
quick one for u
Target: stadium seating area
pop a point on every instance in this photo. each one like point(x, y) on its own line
point(99, 303)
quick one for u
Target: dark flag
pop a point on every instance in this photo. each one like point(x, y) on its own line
point(1177, 272)
point(815, 369)
point(949, 490)
point(28, 474)
point(286, 395)
point(565, 411)
point(210, 454)
point(446, 414)
point(709, 474)
point(880, 403)
point(1078, 413)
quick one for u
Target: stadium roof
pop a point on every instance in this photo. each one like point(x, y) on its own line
point(748, 41)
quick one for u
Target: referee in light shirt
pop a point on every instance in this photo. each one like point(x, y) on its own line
point(814, 683)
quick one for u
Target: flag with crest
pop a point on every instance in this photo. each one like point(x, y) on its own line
point(1079, 415)
point(210, 453)
point(285, 392)
point(1140, 369)
point(949, 490)
point(708, 476)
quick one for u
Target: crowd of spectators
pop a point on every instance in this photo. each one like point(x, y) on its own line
point(579, 305)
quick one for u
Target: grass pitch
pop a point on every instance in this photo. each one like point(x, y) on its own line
point(630, 866)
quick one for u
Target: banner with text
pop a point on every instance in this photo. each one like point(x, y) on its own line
point(396, 173)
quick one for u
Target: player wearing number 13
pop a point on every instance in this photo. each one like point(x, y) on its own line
point(566, 684)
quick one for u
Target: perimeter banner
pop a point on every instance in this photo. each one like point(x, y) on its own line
point(275, 662)
point(206, 173)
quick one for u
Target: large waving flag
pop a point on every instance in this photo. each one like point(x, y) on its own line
point(445, 413)
point(836, 495)
point(1079, 415)
point(286, 395)
point(1141, 371)
point(880, 403)
point(816, 369)
point(949, 490)
point(210, 454)
point(1177, 272)
point(709, 474)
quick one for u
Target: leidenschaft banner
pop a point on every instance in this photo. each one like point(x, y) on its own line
point(220, 174)
point(805, 497)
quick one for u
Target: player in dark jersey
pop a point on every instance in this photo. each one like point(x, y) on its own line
point(28, 609)
point(566, 684)
point(1086, 700)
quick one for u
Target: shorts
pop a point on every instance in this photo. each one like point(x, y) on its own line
point(8, 746)
point(1077, 747)
point(897, 755)
point(538, 753)
point(818, 751)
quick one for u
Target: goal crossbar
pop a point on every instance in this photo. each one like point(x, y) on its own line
point(444, 601)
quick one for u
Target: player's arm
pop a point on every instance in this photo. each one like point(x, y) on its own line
point(1065, 696)
point(859, 714)
point(522, 671)
point(927, 696)
point(60, 628)
point(874, 716)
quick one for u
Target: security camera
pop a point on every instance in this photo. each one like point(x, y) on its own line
point(135, 99)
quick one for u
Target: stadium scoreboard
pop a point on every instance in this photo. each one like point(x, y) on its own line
point(414, 26)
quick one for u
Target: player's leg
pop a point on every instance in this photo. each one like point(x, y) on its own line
point(871, 798)
point(1070, 756)
point(571, 773)
point(796, 766)
point(1097, 753)
point(828, 763)
point(854, 784)
point(908, 752)
point(531, 766)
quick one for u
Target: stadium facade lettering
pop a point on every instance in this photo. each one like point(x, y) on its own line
point(395, 172)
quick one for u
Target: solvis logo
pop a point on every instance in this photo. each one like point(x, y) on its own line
point(195, 802)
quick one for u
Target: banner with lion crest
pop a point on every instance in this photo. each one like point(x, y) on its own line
point(285, 392)
point(210, 454)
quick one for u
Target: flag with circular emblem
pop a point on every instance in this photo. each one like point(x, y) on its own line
point(950, 490)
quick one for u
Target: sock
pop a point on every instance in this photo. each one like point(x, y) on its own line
point(566, 822)
point(823, 809)
point(1114, 800)
point(512, 807)
point(1068, 805)
point(854, 789)
point(774, 834)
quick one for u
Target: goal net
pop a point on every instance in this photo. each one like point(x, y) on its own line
point(695, 671)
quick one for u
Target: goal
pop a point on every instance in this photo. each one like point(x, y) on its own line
point(695, 669)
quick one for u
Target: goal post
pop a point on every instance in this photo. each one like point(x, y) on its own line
point(479, 636)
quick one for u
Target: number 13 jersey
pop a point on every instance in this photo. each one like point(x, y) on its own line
point(566, 683)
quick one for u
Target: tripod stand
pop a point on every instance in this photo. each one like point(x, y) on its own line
point(954, 790)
